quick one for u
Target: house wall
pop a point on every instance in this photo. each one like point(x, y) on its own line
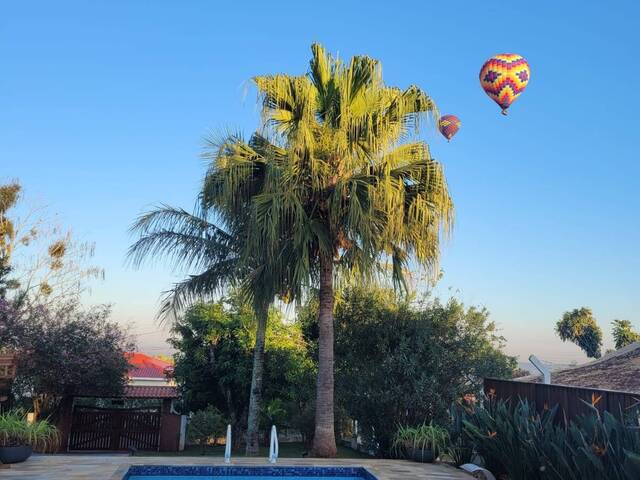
point(150, 382)
point(170, 427)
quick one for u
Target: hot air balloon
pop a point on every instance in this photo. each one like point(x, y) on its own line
point(448, 126)
point(504, 77)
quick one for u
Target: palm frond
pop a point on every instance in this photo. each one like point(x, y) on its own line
point(198, 288)
point(185, 240)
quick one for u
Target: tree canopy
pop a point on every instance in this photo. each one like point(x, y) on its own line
point(623, 333)
point(64, 351)
point(580, 327)
point(400, 362)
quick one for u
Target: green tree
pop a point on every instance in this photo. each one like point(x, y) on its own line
point(213, 250)
point(580, 327)
point(65, 351)
point(212, 363)
point(337, 184)
point(624, 334)
point(403, 363)
point(213, 360)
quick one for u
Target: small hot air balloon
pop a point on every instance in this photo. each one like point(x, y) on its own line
point(448, 126)
point(504, 77)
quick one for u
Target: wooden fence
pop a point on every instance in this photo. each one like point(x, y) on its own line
point(569, 399)
point(114, 429)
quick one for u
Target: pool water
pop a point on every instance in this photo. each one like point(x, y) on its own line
point(234, 477)
point(205, 472)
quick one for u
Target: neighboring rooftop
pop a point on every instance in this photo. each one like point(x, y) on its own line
point(141, 391)
point(149, 377)
point(146, 366)
point(618, 370)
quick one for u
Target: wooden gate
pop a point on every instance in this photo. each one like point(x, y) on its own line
point(114, 429)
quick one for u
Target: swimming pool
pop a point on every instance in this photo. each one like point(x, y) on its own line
point(185, 472)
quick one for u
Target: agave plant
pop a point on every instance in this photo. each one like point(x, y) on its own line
point(16, 430)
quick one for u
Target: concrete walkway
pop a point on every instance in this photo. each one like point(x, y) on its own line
point(113, 467)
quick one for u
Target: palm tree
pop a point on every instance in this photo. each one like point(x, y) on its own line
point(196, 242)
point(338, 184)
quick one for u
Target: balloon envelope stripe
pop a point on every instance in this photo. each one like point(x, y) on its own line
point(449, 125)
point(504, 77)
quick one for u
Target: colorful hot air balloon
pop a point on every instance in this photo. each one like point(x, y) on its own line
point(448, 126)
point(504, 77)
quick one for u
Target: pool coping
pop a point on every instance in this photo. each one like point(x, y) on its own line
point(113, 467)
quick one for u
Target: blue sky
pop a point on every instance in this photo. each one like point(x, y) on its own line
point(104, 104)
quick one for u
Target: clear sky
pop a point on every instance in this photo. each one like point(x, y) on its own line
point(104, 104)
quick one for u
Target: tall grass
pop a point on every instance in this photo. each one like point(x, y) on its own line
point(16, 430)
point(409, 440)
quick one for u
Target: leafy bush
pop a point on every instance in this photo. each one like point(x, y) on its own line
point(403, 362)
point(415, 442)
point(64, 351)
point(518, 442)
point(273, 413)
point(205, 426)
point(16, 431)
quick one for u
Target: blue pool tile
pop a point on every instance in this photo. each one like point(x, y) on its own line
point(197, 472)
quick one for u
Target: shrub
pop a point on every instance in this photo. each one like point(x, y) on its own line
point(64, 351)
point(16, 431)
point(205, 426)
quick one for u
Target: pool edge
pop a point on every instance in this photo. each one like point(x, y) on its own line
point(123, 472)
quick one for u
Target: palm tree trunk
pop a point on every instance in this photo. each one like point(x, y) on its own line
point(324, 440)
point(255, 396)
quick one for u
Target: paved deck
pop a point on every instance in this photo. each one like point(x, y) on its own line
point(112, 467)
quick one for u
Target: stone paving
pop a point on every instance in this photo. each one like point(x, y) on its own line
point(113, 467)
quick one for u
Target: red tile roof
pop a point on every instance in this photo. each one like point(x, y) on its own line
point(146, 366)
point(135, 391)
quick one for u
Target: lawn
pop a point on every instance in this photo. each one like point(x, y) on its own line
point(287, 450)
